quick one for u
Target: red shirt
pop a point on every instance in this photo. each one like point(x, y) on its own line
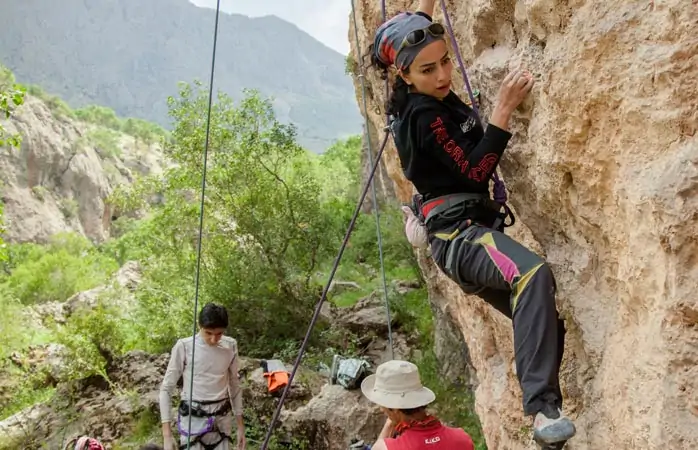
point(432, 437)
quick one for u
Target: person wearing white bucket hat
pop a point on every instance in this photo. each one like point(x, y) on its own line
point(397, 388)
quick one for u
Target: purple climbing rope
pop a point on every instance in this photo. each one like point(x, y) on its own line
point(500, 190)
point(384, 13)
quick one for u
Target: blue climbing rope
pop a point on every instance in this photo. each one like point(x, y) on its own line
point(318, 307)
point(316, 314)
point(362, 77)
point(201, 215)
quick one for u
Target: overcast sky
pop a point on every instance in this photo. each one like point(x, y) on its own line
point(325, 20)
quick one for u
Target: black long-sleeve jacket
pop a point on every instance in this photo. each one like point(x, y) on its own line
point(442, 147)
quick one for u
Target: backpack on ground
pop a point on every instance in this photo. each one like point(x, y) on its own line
point(348, 372)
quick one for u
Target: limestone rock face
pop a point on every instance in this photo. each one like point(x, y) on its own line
point(60, 178)
point(603, 174)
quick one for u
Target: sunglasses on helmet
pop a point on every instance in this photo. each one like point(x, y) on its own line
point(416, 37)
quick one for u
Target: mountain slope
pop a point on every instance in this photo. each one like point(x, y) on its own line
point(130, 55)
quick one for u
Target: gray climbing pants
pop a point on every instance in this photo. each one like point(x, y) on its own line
point(520, 284)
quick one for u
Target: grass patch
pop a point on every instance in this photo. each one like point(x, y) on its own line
point(146, 428)
point(26, 396)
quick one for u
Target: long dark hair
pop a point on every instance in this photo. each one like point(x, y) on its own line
point(398, 97)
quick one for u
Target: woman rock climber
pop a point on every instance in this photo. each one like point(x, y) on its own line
point(449, 158)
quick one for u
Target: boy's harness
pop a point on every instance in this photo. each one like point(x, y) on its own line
point(202, 422)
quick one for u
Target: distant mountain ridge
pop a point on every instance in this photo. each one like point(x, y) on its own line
point(129, 55)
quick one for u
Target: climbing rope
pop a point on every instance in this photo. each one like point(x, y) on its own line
point(287, 388)
point(362, 77)
point(369, 183)
point(201, 215)
point(387, 83)
point(500, 192)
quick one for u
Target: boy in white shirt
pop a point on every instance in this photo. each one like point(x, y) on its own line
point(216, 388)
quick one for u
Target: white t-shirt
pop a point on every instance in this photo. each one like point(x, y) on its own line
point(215, 373)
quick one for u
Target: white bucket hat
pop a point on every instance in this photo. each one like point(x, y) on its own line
point(396, 385)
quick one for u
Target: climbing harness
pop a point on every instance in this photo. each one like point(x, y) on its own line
point(201, 422)
point(487, 211)
point(201, 214)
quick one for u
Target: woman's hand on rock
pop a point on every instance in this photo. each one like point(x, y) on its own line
point(516, 85)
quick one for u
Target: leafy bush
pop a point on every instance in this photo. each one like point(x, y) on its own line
point(105, 141)
point(67, 265)
point(11, 97)
point(12, 333)
point(93, 337)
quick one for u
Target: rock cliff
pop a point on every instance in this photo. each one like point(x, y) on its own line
point(603, 174)
point(60, 178)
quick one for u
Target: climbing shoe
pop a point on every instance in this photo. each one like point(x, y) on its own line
point(551, 426)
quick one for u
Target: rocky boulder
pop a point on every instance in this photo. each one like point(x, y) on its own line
point(334, 417)
point(92, 406)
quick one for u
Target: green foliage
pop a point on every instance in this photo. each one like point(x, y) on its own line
point(339, 171)
point(99, 115)
point(265, 230)
point(93, 336)
point(11, 97)
point(350, 65)
point(12, 330)
point(31, 388)
point(362, 246)
point(69, 207)
point(143, 131)
point(67, 265)
point(105, 141)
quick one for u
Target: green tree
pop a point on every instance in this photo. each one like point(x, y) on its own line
point(11, 97)
point(99, 115)
point(265, 228)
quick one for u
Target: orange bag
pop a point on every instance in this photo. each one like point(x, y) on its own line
point(276, 374)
